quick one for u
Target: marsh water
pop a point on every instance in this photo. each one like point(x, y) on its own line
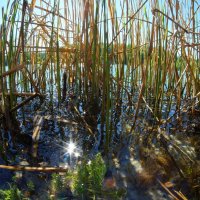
point(61, 125)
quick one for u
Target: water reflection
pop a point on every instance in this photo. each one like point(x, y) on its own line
point(72, 153)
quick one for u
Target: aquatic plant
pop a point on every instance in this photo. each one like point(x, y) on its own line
point(56, 183)
point(30, 186)
point(11, 194)
point(86, 181)
point(89, 178)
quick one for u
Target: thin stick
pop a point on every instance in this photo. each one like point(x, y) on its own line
point(34, 169)
point(19, 67)
point(131, 18)
point(157, 10)
point(24, 102)
point(169, 192)
point(23, 94)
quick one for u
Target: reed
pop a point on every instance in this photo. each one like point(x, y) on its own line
point(111, 51)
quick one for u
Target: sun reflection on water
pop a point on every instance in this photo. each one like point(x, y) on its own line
point(71, 153)
point(71, 148)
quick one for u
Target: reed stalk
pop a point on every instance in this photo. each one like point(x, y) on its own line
point(112, 52)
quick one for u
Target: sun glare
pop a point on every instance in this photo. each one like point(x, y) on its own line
point(71, 148)
point(76, 154)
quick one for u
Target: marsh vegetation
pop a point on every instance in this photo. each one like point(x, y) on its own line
point(100, 87)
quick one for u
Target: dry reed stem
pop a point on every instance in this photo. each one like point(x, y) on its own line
point(23, 94)
point(34, 169)
point(168, 191)
point(13, 70)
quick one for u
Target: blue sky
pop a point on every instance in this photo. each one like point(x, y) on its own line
point(3, 3)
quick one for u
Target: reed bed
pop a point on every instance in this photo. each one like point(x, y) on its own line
point(125, 69)
point(116, 53)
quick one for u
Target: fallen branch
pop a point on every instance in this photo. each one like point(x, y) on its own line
point(34, 169)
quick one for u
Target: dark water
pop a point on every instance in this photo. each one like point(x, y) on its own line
point(62, 125)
